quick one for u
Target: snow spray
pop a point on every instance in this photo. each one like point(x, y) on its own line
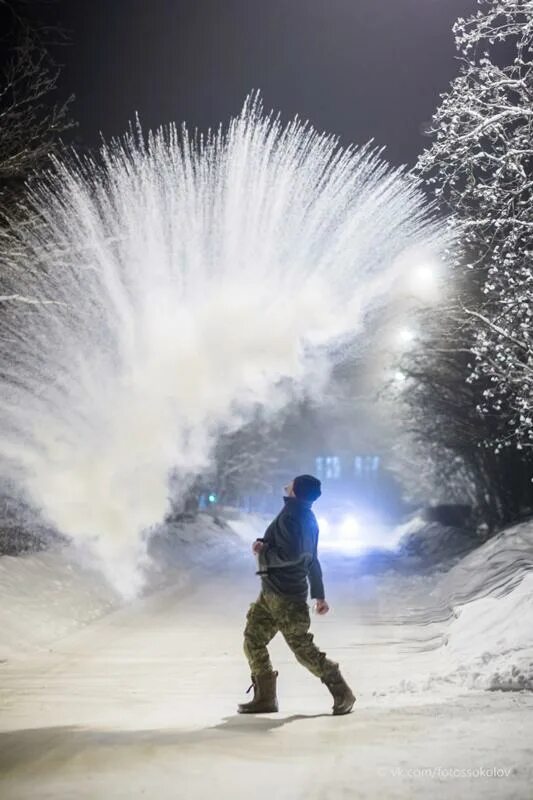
point(165, 288)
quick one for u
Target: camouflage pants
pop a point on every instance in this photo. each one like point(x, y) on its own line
point(271, 613)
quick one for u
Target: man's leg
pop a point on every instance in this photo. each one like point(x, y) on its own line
point(260, 628)
point(294, 622)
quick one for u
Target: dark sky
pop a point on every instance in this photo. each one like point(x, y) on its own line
point(358, 68)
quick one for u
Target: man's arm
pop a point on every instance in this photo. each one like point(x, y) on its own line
point(315, 579)
point(314, 572)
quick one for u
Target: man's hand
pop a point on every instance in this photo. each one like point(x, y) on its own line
point(257, 547)
point(321, 607)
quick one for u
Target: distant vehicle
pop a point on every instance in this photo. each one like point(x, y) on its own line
point(348, 527)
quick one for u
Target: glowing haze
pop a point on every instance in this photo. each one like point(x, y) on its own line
point(164, 289)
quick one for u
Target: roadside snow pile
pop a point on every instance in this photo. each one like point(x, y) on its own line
point(47, 595)
point(494, 569)
point(202, 541)
point(488, 597)
point(491, 640)
point(432, 542)
point(491, 592)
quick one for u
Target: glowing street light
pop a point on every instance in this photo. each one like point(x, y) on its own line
point(406, 336)
point(425, 273)
point(425, 280)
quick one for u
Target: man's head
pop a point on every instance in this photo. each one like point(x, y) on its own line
point(304, 487)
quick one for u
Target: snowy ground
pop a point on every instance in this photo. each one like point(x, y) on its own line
point(139, 701)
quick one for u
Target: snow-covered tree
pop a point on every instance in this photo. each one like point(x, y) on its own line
point(247, 461)
point(436, 431)
point(480, 165)
point(30, 121)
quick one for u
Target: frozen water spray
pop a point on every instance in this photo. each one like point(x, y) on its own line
point(164, 289)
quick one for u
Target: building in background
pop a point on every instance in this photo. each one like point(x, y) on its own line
point(359, 479)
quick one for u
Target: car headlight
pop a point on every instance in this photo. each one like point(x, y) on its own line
point(349, 527)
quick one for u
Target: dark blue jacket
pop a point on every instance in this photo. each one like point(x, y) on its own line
point(289, 558)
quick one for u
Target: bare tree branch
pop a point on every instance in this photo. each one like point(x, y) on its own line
point(31, 121)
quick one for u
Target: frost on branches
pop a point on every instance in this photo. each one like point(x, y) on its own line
point(480, 166)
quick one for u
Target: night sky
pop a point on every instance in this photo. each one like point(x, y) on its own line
point(358, 68)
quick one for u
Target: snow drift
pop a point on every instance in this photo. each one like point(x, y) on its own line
point(47, 595)
point(486, 604)
point(433, 543)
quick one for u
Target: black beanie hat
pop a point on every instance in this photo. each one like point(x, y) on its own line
point(306, 487)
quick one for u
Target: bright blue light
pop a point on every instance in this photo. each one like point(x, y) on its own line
point(212, 498)
point(349, 528)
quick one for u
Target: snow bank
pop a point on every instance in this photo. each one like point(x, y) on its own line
point(491, 640)
point(487, 597)
point(433, 543)
point(494, 569)
point(46, 595)
point(491, 593)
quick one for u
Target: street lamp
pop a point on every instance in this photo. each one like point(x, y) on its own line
point(406, 336)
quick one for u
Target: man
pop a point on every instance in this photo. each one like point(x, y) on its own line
point(287, 559)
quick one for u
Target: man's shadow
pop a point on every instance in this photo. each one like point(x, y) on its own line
point(23, 748)
point(263, 723)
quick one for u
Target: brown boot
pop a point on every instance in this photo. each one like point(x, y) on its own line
point(343, 697)
point(265, 700)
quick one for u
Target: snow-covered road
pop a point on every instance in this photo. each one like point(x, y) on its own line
point(142, 704)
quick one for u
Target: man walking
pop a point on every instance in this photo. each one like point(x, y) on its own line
point(287, 559)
